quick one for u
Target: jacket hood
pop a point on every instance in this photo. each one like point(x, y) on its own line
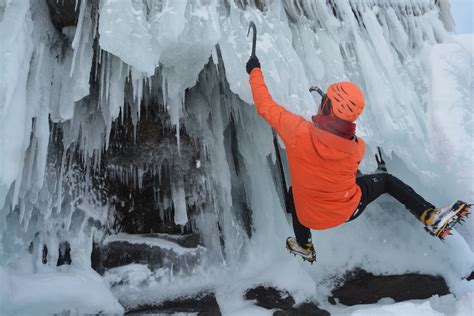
point(336, 147)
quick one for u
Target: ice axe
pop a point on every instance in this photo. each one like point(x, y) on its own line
point(254, 39)
point(318, 90)
point(381, 167)
point(253, 27)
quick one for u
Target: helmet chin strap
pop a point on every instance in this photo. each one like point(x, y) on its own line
point(325, 108)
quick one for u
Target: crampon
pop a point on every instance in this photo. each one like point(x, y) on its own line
point(448, 217)
point(306, 253)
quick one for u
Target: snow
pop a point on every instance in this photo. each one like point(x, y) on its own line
point(404, 308)
point(418, 84)
point(150, 241)
point(78, 292)
point(434, 306)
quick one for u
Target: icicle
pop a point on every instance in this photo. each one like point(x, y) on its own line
point(179, 203)
point(40, 57)
point(77, 36)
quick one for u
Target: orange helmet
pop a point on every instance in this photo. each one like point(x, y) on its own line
point(347, 100)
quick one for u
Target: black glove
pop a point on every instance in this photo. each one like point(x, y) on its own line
point(252, 63)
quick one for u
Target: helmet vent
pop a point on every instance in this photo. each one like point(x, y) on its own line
point(342, 88)
point(340, 96)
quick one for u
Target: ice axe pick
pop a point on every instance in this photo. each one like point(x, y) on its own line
point(254, 40)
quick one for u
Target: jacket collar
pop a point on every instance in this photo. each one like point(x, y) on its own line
point(336, 142)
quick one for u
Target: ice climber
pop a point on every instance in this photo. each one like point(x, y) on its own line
point(324, 156)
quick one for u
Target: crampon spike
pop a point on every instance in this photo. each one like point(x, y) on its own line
point(444, 234)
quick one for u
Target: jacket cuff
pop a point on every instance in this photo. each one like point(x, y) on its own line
point(255, 70)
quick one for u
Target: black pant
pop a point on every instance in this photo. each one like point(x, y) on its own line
point(302, 233)
point(372, 186)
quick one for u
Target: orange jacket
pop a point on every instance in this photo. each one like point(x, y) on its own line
point(323, 166)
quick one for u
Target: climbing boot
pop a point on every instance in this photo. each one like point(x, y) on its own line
point(440, 221)
point(305, 251)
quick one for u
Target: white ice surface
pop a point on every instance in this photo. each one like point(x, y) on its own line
point(124, 32)
point(451, 118)
point(15, 52)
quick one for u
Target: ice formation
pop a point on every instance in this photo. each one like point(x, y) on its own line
point(78, 107)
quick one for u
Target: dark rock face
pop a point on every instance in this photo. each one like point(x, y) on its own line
point(259, 4)
point(272, 298)
point(63, 13)
point(64, 254)
point(144, 163)
point(471, 276)
point(202, 304)
point(361, 287)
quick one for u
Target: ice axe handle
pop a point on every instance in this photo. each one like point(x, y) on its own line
point(254, 40)
point(317, 89)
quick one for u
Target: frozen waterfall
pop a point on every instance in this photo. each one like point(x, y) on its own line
point(131, 122)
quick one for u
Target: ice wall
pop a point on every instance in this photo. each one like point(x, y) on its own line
point(62, 93)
